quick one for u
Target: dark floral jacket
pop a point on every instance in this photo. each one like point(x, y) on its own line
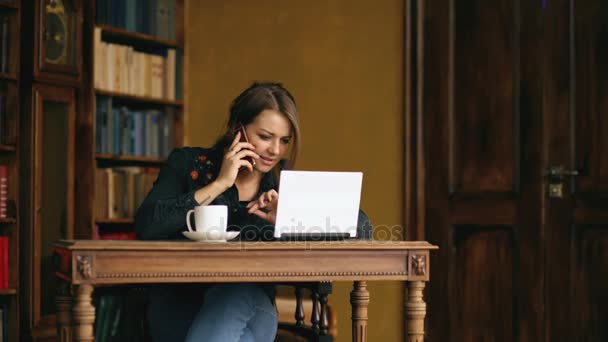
point(162, 215)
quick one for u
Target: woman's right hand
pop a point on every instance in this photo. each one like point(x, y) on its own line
point(233, 161)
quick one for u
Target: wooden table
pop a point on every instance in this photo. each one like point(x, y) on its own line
point(87, 264)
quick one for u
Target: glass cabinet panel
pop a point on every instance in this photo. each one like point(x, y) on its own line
point(54, 201)
point(53, 174)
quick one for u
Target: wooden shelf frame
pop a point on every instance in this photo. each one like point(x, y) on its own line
point(129, 159)
point(13, 6)
point(8, 292)
point(8, 77)
point(124, 220)
point(112, 33)
point(8, 148)
point(140, 99)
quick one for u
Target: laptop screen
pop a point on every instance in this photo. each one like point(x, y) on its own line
point(318, 202)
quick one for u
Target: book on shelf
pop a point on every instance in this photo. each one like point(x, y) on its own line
point(118, 236)
point(152, 17)
point(135, 71)
point(4, 43)
point(8, 134)
point(121, 130)
point(4, 272)
point(3, 191)
point(119, 191)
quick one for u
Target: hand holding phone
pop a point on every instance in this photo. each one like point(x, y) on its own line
point(238, 156)
point(241, 129)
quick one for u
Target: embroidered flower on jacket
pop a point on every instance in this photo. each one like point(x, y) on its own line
point(194, 175)
point(202, 158)
point(209, 175)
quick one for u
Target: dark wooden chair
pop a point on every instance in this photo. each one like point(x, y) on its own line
point(295, 303)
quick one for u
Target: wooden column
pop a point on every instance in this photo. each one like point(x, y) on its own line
point(415, 311)
point(63, 300)
point(359, 299)
point(84, 314)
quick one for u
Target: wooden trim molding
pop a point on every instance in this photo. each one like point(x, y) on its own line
point(243, 274)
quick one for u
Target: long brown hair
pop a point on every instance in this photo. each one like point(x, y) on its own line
point(252, 101)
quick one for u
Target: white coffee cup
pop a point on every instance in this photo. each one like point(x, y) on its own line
point(210, 220)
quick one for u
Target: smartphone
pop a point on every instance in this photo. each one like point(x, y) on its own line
point(240, 128)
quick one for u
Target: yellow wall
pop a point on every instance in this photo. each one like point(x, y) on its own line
point(342, 60)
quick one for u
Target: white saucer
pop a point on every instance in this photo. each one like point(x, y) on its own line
point(210, 237)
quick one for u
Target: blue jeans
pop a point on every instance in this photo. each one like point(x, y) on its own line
point(229, 313)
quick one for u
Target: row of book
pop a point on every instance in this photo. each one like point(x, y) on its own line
point(123, 69)
point(4, 275)
point(8, 123)
point(153, 17)
point(4, 43)
point(119, 191)
point(124, 131)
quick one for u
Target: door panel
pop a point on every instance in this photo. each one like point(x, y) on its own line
point(482, 268)
point(591, 35)
point(591, 281)
point(481, 120)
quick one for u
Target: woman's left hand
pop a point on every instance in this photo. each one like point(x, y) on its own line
point(265, 206)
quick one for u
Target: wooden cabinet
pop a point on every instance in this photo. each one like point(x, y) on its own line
point(65, 145)
point(50, 92)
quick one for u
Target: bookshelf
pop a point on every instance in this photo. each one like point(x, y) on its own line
point(134, 94)
point(10, 27)
point(133, 80)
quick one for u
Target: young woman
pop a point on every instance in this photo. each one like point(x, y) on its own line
point(243, 176)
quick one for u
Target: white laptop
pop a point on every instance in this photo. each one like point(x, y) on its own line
point(318, 205)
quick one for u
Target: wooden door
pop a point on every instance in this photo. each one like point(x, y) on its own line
point(504, 91)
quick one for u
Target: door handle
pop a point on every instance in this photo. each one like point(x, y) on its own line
point(556, 175)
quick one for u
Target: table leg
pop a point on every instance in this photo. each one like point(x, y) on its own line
point(63, 300)
point(84, 314)
point(415, 311)
point(359, 299)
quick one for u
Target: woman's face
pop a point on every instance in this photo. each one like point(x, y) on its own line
point(270, 133)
